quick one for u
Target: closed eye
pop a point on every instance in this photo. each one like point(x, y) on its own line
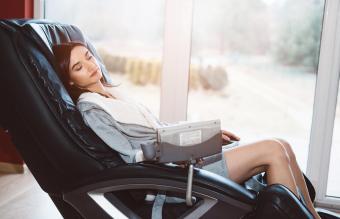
point(88, 55)
point(78, 68)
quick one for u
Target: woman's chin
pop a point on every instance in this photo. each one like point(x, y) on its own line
point(97, 76)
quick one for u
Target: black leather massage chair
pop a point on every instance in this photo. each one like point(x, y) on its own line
point(83, 176)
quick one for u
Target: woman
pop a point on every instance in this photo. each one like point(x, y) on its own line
point(124, 124)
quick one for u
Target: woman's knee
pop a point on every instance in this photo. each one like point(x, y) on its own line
point(277, 152)
point(288, 148)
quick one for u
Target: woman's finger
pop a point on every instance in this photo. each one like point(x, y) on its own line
point(231, 135)
point(225, 137)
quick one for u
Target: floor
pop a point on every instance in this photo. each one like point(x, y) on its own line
point(22, 197)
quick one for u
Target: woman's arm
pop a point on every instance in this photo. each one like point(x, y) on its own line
point(101, 123)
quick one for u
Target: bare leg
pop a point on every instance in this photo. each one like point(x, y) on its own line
point(272, 157)
point(298, 175)
point(266, 155)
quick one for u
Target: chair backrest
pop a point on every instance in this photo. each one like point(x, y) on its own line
point(43, 121)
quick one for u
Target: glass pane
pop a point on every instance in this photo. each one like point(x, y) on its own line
point(254, 66)
point(333, 188)
point(128, 35)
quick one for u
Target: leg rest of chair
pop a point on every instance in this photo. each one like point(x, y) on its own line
point(277, 201)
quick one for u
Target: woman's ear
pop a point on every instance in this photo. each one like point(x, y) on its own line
point(71, 83)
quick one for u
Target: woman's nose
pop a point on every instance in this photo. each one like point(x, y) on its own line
point(91, 66)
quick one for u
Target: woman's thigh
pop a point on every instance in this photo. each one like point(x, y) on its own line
point(247, 160)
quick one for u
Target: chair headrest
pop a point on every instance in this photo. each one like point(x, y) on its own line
point(48, 34)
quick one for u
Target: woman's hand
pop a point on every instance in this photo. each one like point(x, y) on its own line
point(227, 137)
point(184, 164)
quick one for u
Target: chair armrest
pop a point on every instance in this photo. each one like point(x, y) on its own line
point(164, 152)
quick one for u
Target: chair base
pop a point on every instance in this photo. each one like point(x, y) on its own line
point(65, 209)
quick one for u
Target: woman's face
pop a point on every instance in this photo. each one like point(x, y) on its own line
point(83, 69)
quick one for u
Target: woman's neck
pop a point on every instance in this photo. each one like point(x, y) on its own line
point(99, 88)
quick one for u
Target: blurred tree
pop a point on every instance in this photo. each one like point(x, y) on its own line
point(231, 26)
point(297, 40)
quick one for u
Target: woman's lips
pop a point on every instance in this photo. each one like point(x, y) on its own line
point(94, 72)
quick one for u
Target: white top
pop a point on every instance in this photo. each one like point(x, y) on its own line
point(122, 109)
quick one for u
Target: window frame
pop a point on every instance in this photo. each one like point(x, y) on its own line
point(39, 9)
point(176, 60)
point(324, 108)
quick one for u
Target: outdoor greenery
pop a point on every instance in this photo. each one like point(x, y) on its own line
point(298, 39)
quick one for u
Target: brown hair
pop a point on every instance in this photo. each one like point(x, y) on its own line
point(62, 53)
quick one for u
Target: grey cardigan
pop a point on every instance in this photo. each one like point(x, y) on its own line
point(124, 138)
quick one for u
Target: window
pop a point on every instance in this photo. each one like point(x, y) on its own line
point(254, 66)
